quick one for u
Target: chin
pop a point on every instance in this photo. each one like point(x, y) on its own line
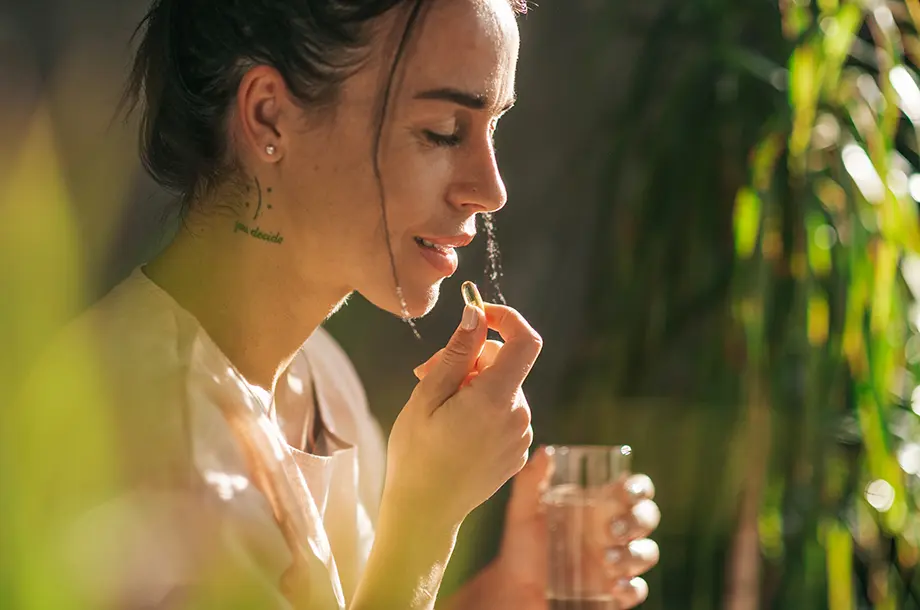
point(420, 299)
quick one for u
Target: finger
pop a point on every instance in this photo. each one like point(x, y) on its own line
point(486, 358)
point(630, 593)
point(460, 354)
point(469, 379)
point(636, 488)
point(528, 487)
point(421, 370)
point(489, 354)
point(638, 523)
point(517, 356)
point(634, 559)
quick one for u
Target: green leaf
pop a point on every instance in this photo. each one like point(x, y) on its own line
point(886, 265)
point(854, 344)
point(747, 222)
point(797, 18)
point(818, 320)
point(819, 246)
point(764, 158)
point(839, 567)
point(841, 31)
point(803, 95)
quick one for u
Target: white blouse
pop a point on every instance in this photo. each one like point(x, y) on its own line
point(210, 474)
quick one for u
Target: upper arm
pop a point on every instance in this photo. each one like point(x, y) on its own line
point(99, 499)
point(146, 549)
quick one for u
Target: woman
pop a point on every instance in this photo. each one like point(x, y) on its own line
point(320, 148)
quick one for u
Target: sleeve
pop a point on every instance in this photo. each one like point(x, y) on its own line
point(88, 528)
point(145, 550)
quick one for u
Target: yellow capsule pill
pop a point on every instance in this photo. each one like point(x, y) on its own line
point(471, 295)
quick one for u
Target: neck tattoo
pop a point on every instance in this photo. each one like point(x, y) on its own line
point(254, 230)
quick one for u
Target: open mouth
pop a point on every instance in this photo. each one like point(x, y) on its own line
point(427, 244)
point(443, 258)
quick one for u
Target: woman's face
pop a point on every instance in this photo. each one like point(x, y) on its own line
point(437, 159)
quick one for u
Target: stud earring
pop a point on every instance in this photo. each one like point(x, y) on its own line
point(270, 149)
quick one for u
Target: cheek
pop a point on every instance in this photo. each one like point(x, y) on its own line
point(416, 186)
point(333, 192)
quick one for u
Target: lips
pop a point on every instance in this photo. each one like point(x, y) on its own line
point(429, 244)
point(453, 241)
point(440, 251)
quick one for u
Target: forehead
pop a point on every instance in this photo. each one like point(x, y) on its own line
point(469, 45)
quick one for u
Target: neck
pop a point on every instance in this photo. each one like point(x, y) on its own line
point(249, 295)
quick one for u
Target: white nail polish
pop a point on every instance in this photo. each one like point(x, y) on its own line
point(635, 490)
point(643, 549)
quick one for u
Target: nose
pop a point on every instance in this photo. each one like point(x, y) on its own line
point(478, 186)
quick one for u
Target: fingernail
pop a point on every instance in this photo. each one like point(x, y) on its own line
point(470, 318)
point(644, 549)
point(416, 370)
point(647, 513)
point(636, 490)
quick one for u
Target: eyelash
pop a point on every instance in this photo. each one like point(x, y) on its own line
point(439, 139)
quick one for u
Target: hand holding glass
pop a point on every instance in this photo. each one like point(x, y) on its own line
point(584, 510)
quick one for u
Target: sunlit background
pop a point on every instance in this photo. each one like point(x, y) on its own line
point(713, 222)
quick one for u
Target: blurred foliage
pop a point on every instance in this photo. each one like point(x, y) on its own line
point(702, 86)
point(827, 241)
point(755, 290)
point(660, 368)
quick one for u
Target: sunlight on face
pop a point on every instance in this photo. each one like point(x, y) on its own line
point(437, 159)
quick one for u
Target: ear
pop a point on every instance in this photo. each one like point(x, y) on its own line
point(263, 104)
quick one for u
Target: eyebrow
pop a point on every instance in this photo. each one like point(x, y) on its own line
point(474, 101)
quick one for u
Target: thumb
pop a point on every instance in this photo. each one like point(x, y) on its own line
point(456, 360)
point(529, 485)
point(421, 370)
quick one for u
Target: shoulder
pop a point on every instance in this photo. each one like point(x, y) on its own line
point(113, 380)
point(133, 318)
point(106, 415)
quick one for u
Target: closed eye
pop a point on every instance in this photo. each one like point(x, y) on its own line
point(440, 139)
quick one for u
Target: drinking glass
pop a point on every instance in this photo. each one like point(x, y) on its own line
point(581, 504)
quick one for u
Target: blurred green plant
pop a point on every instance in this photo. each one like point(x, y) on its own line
point(659, 365)
point(825, 287)
point(791, 125)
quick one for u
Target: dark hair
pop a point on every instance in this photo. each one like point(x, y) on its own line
point(194, 53)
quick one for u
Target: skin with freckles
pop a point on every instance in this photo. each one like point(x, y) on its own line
point(437, 158)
